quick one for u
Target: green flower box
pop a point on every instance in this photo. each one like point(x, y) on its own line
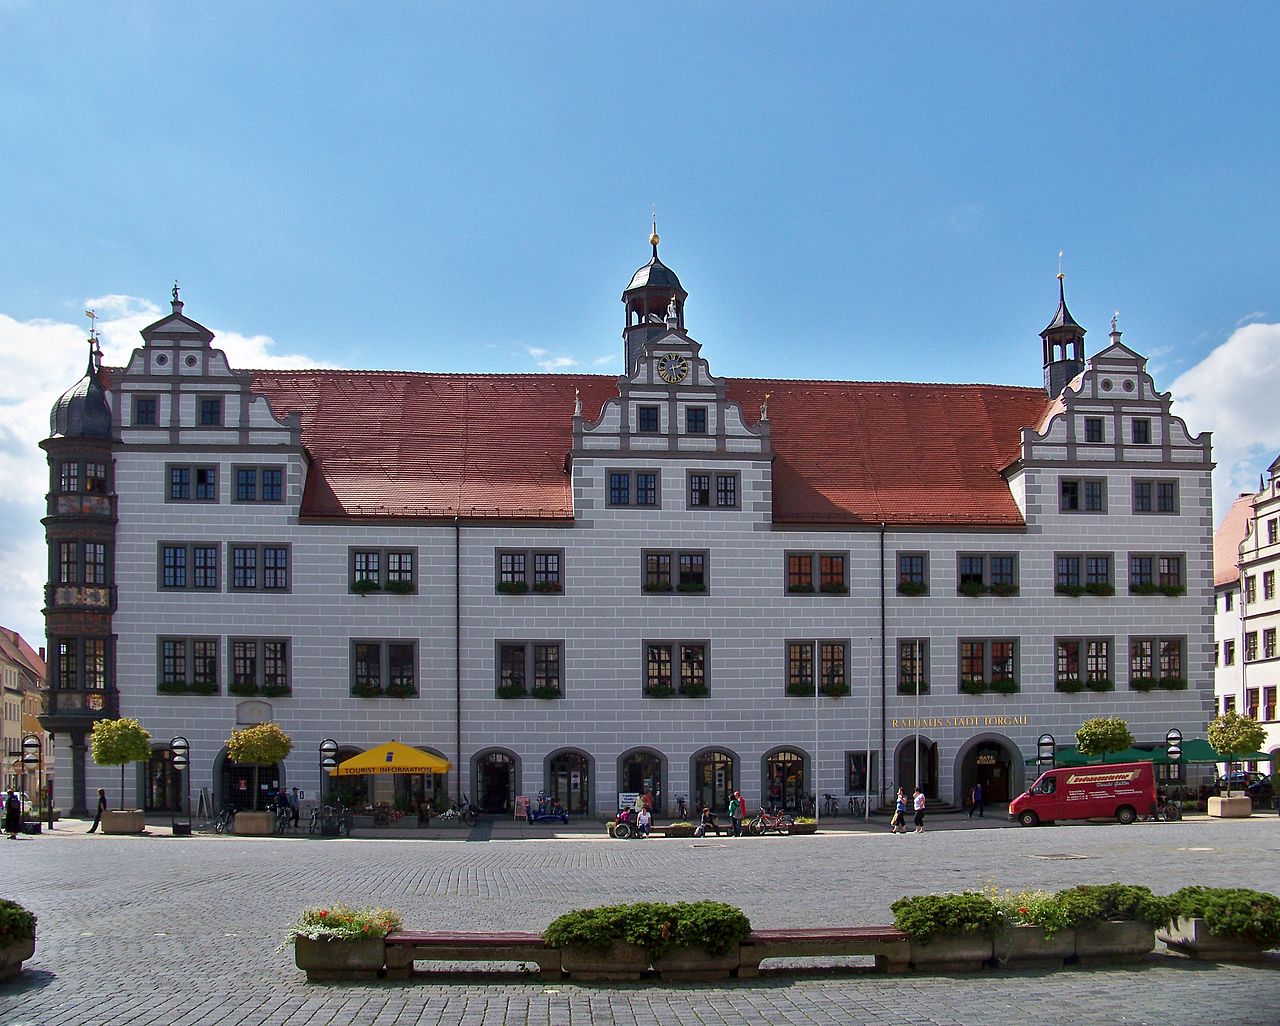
point(974, 687)
point(912, 588)
point(512, 587)
point(1070, 686)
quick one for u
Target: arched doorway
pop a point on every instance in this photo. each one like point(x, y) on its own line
point(163, 791)
point(496, 774)
point(995, 762)
point(412, 790)
point(783, 780)
point(235, 783)
point(713, 780)
point(905, 762)
point(569, 781)
point(640, 770)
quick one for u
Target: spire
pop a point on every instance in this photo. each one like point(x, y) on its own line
point(1062, 318)
point(1063, 342)
point(654, 237)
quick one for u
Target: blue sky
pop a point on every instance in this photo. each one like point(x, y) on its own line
point(847, 191)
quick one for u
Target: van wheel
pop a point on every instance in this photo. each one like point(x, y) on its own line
point(1029, 819)
point(1126, 815)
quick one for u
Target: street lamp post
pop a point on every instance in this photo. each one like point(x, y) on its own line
point(328, 761)
point(32, 755)
point(180, 759)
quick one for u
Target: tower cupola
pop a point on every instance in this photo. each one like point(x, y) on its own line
point(82, 411)
point(654, 302)
point(1063, 347)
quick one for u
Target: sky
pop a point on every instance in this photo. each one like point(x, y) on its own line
point(847, 191)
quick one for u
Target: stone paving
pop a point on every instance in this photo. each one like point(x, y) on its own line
point(159, 929)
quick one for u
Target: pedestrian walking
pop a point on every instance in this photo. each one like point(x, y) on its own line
point(12, 815)
point(295, 799)
point(102, 807)
point(977, 800)
point(899, 821)
point(918, 801)
point(735, 815)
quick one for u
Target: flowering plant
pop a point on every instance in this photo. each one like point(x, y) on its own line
point(341, 922)
point(1031, 908)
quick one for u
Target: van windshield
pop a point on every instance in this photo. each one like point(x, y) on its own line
point(1045, 785)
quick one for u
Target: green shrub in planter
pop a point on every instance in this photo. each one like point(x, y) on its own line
point(16, 923)
point(658, 927)
point(512, 587)
point(1099, 588)
point(659, 691)
point(971, 589)
point(1108, 902)
point(1034, 908)
point(834, 690)
point(401, 689)
point(693, 691)
point(925, 916)
point(512, 691)
point(1003, 590)
point(1173, 683)
point(1250, 915)
point(907, 687)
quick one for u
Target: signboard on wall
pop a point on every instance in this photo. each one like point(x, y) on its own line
point(627, 799)
point(522, 806)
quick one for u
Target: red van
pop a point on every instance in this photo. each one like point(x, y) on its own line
point(1124, 790)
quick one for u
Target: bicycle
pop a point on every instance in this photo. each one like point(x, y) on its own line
point(283, 817)
point(1164, 810)
point(225, 821)
point(808, 806)
point(831, 805)
point(857, 806)
point(456, 815)
point(682, 807)
point(781, 822)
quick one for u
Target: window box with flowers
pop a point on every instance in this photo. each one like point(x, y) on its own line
point(242, 688)
point(693, 691)
point(401, 689)
point(1070, 590)
point(659, 691)
point(974, 687)
point(800, 689)
point(907, 687)
point(1173, 683)
point(366, 689)
point(832, 588)
point(1100, 685)
point(835, 690)
point(1100, 588)
point(512, 587)
point(912, 588)
point(546, 691)
point(657, 587)
point(399, 587)
point(800, 589)
point(1142, 683)
point(365, 587)
point(178, 687)
point(276, 690)
point(1069, 685)
point(512, 691)
point(548, 588)
point(1003, 590)
point(692, 587)
point(971, 589)
point(1005, 686)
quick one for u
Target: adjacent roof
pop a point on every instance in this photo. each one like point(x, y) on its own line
point(1227, 539)
point(400, 444)
point(15, 648)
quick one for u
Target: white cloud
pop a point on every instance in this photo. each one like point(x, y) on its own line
point(41, 360)
point(607, 361)
point(1232, 392)
point(543, 358)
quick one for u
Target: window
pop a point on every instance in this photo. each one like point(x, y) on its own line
point(1156, 574)
point(988, 665)
point(675, 571)
point(1268, 584)
point(633, 488)
point(695, 420)
point(665, 659)
point(211, 412)
point(524, 570)
point(647, 419)
point(1093, 429)
point(829, 658)
point(82, 563)
point(1088, 495)
point(699, 489)
point(144, 411)
point(1250, 590)
point(81, 664)
point(69, 476)
point(913, 573)
point(1157, 662)
point(1251, 646)
point(1155, 496)
point(259, 666)
point(979, 574)
point(1140, 431)
point(188, 666)
point(727, 491)
point(186, 484)
point(1271, 530)
point(1228, 653)
point(1269, 643)
point(1228, 601)
point(522, 662)
point(913, 666)
point(259, 484)
point(259, 568)
point(1228, 703)
point(823, 572)
point(1251, 703)
point(384, 668)
point(725, 484)
point(1268, 703)
point(1081, 663)
point(187, 565)
point(95, 477)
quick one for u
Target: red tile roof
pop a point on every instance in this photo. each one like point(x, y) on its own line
point(15, 648)
point(401, 444)
point(1227, 539)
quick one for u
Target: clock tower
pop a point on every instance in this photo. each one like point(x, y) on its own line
point(655, 305)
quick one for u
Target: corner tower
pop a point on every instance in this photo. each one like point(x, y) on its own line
point(655, 304)
point(1063, 347)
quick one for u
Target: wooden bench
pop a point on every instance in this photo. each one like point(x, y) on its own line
point(404, 947)
point(890, 947)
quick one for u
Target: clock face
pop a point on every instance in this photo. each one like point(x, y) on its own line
point(673, 368)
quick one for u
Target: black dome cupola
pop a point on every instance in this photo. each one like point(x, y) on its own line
point(82, 411)
point(1063, 346)
point(655, 304)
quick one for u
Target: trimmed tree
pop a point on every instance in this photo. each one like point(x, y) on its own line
point(1103, 734)
point(259, 746)
point(1232, 735)
point(118, 742)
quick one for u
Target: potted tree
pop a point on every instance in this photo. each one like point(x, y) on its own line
point(117, 743)
point(258, 746)
point(17, 937)
point(1231, 735)
point(1103, 734)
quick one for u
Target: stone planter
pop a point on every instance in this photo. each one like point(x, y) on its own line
point(1193, 938)
point(1114, 941)
point(1236, 807)
point(1019, 946)
point(952, 952)
point(803, 828)
point(256, 824)
point(339, 959)
point(694, 965)
point(13, 954)
point(680, 830)
point(123, 821)
point(621, 961)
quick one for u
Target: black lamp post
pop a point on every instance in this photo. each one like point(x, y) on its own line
point(32, 755)
point(1046, 752)
point(180, 755)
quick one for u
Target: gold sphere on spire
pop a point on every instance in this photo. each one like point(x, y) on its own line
point(654, 239)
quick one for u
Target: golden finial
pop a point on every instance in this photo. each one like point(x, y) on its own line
point(1060, 274)
point(654, 238)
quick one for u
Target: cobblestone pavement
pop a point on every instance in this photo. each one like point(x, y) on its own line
point(158, 929)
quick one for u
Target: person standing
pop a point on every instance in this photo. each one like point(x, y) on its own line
point(918, 802)
point(12, 815)
point(977, 800)
point(899, 813)
point(735, 815)
point(102, 807)
point(295, 800)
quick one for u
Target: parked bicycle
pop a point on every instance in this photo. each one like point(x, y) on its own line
point(857, 806)
point(1164, 810)
point(459, 815)
point(682, 806)
point(225, 821)
point(808, 806)
point(830, 805)
point(780, 822)
point(331, 819)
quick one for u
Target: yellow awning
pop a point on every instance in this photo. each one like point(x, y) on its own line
point(393, 757)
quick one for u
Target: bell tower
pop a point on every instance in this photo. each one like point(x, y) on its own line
point(1063, 347)
point(654, 302)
